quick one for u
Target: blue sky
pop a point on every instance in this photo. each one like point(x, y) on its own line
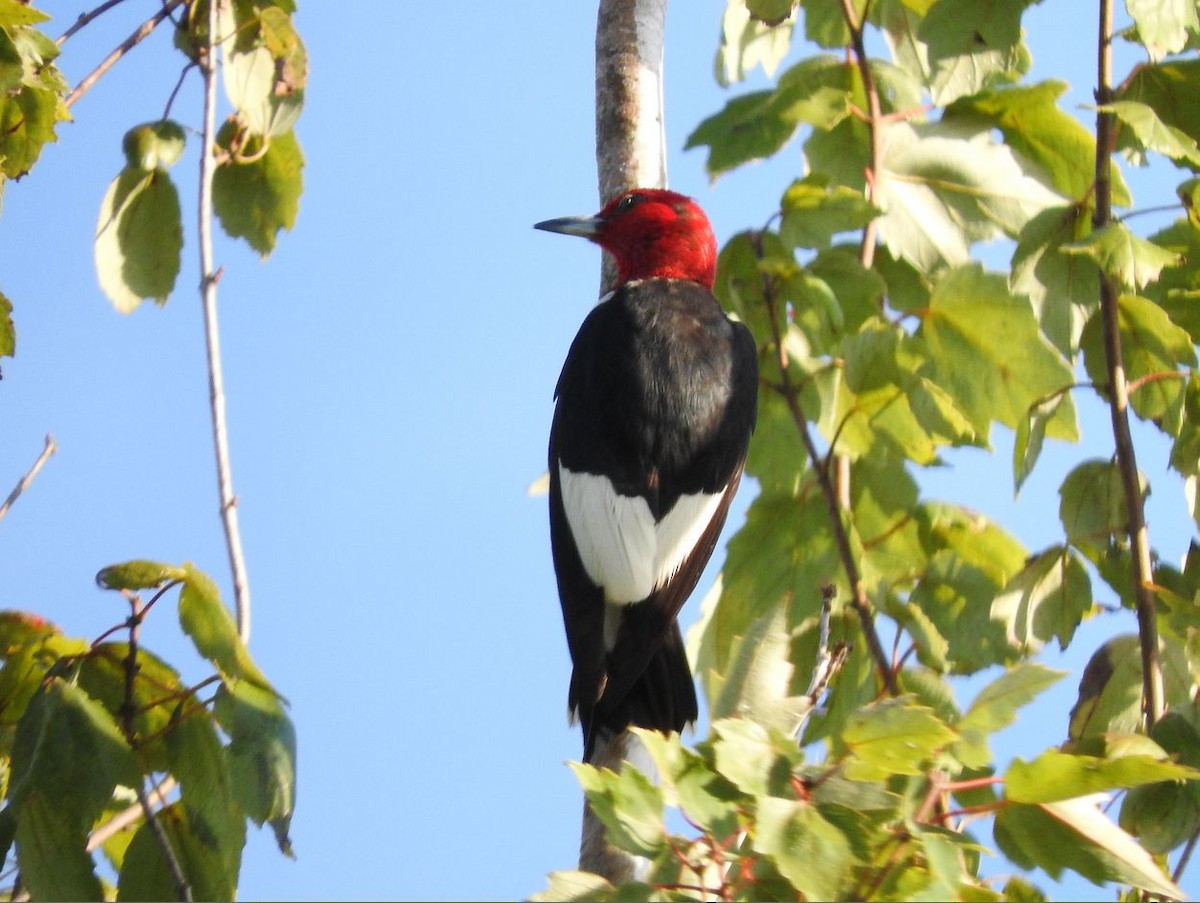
point(389, 373)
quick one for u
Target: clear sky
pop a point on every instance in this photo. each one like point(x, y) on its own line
point(389, 373)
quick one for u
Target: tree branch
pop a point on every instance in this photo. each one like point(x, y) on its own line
point(209, 277)
point(85, 18)
point(124, 47)
point(23, 484)
point(1152, 680)
point(829, 491)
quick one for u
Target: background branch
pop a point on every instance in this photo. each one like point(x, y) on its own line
point(209, 277)
point(124, 47)
point(23, 484)
point(1152, 681)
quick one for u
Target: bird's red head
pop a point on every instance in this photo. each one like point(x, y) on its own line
point(651, 232)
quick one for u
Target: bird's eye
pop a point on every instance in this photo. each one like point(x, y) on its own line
point(630, 201)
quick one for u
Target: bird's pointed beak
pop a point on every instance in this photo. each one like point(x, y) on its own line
point(585, 226)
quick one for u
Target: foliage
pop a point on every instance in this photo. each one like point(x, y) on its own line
point(883, 344)
point(103, 747)
point(84, 726)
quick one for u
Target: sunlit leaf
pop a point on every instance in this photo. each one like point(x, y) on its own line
point(145, 874)
point(628, 803)
point(139, 235)
point(1092, 502)
point(943, 187)
point(1152, 133)
point(138, 574)
point(989, 355)
point(262, 755)
point(1163, 25)
point(747, 43)
point(795, 835)
point(208, 622)
point(8, 335)
point(972, 46)
point(995, 708)
point(154, 145)
point(1171, 89)
point(892, 737)
point(813, 212)
point(1055, 775)
point(256, 197)
point(1131, 260)
point(1077, 835)
point(572, 886)
point(1049, 598)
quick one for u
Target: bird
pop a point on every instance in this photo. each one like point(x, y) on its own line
point(653, 413)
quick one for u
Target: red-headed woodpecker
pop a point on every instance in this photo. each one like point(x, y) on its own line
point(655, 406)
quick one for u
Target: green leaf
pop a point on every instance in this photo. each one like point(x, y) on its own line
point(995, 708)
point(577, 886)
point(747, 43)
point(757, 125)
point(1110, 690)
point(1092, 502)
point(1063, 287)
point(795, 835)
point(1163, 25)
point(758, 762)
point(207, 621)
point(1152, 133)
point(14, 13)
point(813, 212)
point(262, 755)
point(154, 145)
point(892, 737)
point(989, 355)
point(706, 798)
point(1075, 834)
point(944, 187)
point(251, 81)
point(771, 12)
point(28, 118)
point(50, 853)
point(1131, 260)
point(1033, 125)
point(145, 874)
point(629, 805)
point(1031, 433)
point(1151, 345)
point(138, 574)
point(198, 761)
point(67, 757)
point(139, 235)
point(1049, 598)
point(1172, 90)
point(8, 335)
point(256, 197)
point(972, 46)
point(1055, 775)
point(1165, 815)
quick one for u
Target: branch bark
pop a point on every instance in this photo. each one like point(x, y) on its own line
point(1139, 541)
point(139, 35)
point(630, 153)
point(209, 277)
point(25, 481)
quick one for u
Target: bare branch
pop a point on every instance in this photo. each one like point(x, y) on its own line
point(85, 18)
point(23, 484)
point(209, 277)
point(139, 35)
point(1152, 680)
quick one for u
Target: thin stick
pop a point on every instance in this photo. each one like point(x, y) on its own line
point(85, 18)
point(209, 277)
point(24, 482)
point(123, 48)
point(858, 593)
point(128, 816)
point(1152, 680)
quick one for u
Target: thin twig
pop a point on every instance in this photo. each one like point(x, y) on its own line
point(123, 48)
point(209, 277)
point(1152, 681)
point(858, 593)
point(85, 18)
point(24, 482)
point(136, 613)
point(1186, 855)
point(128, 816)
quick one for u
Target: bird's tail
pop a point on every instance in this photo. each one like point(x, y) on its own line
point(663, 698)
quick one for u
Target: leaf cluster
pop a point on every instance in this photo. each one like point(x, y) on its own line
point(85, 728)
point(884, 346)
